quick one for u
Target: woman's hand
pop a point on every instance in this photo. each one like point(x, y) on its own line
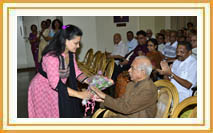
point(79, 94)
point(85, 94)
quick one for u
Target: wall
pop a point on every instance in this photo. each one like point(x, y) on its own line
point(106, 28)
point(21, 47)
point(147, 22)
point(159, 23)
point(155, 23)
point(88, 25)
point(98, 32)
point(24, 54)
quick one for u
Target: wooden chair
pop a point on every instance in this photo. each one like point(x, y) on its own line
point(121, 83)
point(109, 68)
point(164, 102)
point(88, 70)
point(87, 57)
point(109, 114)
point(185, 103)
point(101, 65)
point(173, 90)
point(95, 62)
point(194, 113)
point(98, 112)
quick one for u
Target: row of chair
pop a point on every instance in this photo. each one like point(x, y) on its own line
point(92, 63)
point(168, 103)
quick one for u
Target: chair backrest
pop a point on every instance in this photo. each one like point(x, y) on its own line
point(108, 114)
point(87, 56)
point(164, 102)
point(121, 83)
point(95, 60)
point(109, 68)
point(173, 90)
point(101, 66)
point(185, 103)
point(194, 113)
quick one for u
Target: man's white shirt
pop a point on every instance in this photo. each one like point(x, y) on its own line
point(120, 49)
point(161, 47)
point(187, 70)
point(132, 44)
point(170, 50)
point(194, 52)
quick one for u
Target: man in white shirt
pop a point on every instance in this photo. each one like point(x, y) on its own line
point(149, 34)
point(132, 42)
point(120, 48)
point(194, 45)
point(183, 72)
point(169, 50)
point(161, 42)
point(119, 51)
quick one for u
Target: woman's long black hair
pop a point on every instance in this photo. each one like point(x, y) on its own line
point(57, 45)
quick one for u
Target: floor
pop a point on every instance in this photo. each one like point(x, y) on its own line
point(23, 81)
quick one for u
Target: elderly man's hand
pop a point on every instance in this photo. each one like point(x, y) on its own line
point(97, 98)
point(98, 92)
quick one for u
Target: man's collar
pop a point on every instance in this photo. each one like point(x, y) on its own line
point(120, 42)
point(141, 81)
point(188, 58)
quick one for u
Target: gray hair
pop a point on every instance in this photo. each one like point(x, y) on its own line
point(145, 66)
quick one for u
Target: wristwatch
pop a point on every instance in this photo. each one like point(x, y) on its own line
point(172, 76)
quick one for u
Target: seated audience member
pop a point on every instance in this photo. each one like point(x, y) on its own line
point(140, 98)
point(169, 50)
point(149, 34)
point(167, 35)
point(155, 56)
point(119, 51)
point(190, 33)
point(162, 31)
point(181, 38)
point(132, 42)
point(141, 49)
point(194, 45)
point(180, 33)
point(120, 48)
point(183, 72)
point(190, 26)
point(161, 42)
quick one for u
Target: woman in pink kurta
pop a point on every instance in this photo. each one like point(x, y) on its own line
point(48, 95)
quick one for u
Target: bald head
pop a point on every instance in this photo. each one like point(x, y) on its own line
point(149, 33)
point(117, 38)
point(141, 68)
point(144, 63)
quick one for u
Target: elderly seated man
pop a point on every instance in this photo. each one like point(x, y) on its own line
point(140, 98)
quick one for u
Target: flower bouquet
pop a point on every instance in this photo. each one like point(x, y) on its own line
point(100, 82)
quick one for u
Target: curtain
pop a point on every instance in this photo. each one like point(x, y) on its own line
point(178, 22)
